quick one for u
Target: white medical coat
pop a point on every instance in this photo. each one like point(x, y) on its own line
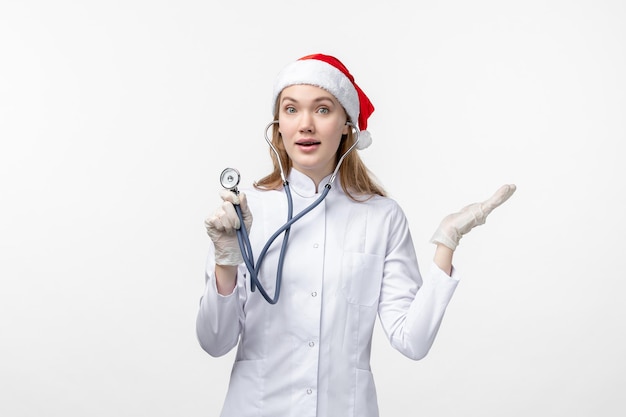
point(309, 354)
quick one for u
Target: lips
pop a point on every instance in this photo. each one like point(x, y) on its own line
point(307, 142)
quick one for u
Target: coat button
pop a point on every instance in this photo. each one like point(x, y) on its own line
point(309, 391)
point(314, 294)
point(311, 344)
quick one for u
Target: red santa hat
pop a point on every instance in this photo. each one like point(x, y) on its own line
point(329, 73)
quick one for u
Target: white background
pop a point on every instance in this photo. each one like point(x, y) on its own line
point(116, 118)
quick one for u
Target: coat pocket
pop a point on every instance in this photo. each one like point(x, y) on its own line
point(361, 275)
point(366, 404)
point(244, 391)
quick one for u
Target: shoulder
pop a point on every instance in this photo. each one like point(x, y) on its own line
point(379, 206)
point(376, 201)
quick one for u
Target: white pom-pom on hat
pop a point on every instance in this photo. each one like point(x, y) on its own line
point(365, 140)
point(329, 73)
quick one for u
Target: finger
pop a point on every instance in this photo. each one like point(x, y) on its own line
point(499, 197)
point(243, 201)
point(214, 223)
point(229, 196)
point(230, 218)
point(224, 220)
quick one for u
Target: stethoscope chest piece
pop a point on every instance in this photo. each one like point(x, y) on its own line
point(229, 178)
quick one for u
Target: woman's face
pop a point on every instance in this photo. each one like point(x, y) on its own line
point(311, 122)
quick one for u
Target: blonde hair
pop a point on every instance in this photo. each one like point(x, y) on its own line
point(356, 179)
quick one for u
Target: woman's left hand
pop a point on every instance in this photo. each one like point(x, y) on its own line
point(454, 226)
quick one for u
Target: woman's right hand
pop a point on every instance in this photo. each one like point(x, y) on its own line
point(222, 228)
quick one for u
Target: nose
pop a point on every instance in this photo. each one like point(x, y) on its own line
point(306, 122)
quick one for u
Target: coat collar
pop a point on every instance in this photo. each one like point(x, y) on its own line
point(304, 186)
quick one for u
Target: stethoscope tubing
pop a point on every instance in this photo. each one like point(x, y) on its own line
point(244, 240)
point(246, 247)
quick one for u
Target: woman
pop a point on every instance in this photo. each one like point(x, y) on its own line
point(348, 260)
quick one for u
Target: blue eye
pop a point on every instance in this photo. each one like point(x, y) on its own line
point(324, 110)
point(290, 109)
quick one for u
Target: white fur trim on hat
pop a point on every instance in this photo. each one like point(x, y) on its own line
point(323, 75)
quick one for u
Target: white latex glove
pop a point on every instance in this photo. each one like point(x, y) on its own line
point(222, 228)
point(454, 226)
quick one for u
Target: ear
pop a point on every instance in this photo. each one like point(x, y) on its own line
point(346, 128)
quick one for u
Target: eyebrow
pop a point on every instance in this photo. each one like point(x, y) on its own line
point(317, 100)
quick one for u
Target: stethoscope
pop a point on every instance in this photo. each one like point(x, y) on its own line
point(230, 177)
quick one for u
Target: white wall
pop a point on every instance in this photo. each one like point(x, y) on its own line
point(117, 117)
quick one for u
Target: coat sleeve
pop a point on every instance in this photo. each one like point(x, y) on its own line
point(220, 318)
point(411, 307)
